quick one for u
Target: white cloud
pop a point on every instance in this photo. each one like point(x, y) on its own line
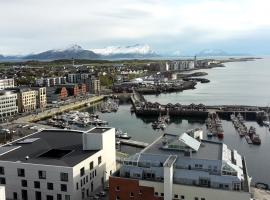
point(36, 25)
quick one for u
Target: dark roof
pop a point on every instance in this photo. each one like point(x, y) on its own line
point(49, 141)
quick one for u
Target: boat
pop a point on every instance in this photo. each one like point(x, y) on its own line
point(255, 138)
point(162, 126)
point(209, 134)
point(155, 125)
point(122, 135)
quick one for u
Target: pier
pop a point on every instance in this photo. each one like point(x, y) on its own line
point(145, 108)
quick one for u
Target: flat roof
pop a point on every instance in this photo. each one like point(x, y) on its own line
point(69, 141)
point(208, 150)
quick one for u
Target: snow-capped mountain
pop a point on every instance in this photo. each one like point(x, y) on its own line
point(137, 50)
point(74, 51)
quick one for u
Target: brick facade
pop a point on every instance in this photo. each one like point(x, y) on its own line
point(125, 189)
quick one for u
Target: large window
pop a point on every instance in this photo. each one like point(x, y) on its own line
point(82, 172)
point(42, 174)
point(91, 165)
point(24, 183)
point(64, 176)
point(36, 184)
point(2, 181)
point(21, 172)
point(63, 187)
point(50, 186)
point(99, 159)
point(2, 170)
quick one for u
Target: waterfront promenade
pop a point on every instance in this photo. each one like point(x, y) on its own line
point(57, 110)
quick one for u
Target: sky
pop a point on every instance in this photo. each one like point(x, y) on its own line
point(168, 26)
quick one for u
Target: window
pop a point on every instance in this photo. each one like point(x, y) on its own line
point(63, 187)
point(162, 194)
point(2, 181)
point(21, 172)
point(117, 188)
point(42, 174)
point(67, 197)
point(38, 195)
point(59, 197)
point(182, 197)
point(99, 159)
point(24, 183)
point(176, 196)
point(117, 198)
point(77, 185)
point(95, 172)
point(64, 176)
point(36, 184)
point(24, 195)
point(2, 170)
point(156, 193)
point(15, 195)
point(131, 194)
point(82, 172)
point(49, 197)
point(50, 186)
point(196, 198)
point(91, 165)
point(202, 198)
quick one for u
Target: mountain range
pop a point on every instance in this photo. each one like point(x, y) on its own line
point(137, 51)
point(77, 52)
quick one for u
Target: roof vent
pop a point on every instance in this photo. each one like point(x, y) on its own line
point(26, 157)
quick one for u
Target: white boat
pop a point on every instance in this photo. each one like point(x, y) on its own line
point(209, 134)
point(122, 135)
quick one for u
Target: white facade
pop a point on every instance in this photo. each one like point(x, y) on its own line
point(6, 83)
point(8, 103)
point(192, 192)
point(2, 193)
point(82, 179)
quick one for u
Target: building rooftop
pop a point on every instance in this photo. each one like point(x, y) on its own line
point(208, 150)
point(48, 147)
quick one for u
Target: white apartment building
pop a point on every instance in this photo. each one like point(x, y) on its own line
point(180, 167)
point(58, 164)
point(6, 83)
point(8, 103)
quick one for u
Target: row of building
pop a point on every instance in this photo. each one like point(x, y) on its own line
point(26, 99)
point(74, 165)
point(79, 78)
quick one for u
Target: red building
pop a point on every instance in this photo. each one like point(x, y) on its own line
point(126, 188)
